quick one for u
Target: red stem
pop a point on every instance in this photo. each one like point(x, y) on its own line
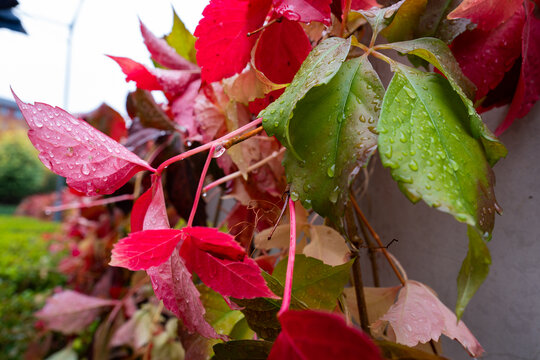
point(201, 183)
point(207, 146)
point(290, 262)
point(85, 203)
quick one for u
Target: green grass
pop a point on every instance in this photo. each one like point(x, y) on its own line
point(27, 276)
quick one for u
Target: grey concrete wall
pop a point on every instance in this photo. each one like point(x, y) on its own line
point(505, 313)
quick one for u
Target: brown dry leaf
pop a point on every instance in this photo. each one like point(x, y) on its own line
point(378, 301)
point(327, 245)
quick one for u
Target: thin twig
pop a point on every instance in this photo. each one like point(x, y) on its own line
point(237, 139)
point(371, 254)
point(208, 145)
point(377, 239)
point(264, 26)
point(236, 174)
point(360, 298)
point(201, 183)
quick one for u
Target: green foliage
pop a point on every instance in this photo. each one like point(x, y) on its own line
point(333, 133)
point(474, 270)
point(27, 276)
point(430, 151)
point(242, 350)
point(181, 39)
point(21, 172)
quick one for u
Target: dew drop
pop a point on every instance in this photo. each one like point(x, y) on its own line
point(331, 171)
point(413, 165)
point(218, 151)
point(85, 169)
point(294, 196)
point(37, 122)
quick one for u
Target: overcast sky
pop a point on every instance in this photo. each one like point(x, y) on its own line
point(34, 64)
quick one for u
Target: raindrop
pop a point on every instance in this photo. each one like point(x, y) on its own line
point(85, 169)
point(218, 151)
point(37, 122)
point(294, 196)
point(413, 165)
point(331, 171)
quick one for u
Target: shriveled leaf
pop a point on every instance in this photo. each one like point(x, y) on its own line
point(528, 89)
point(304, 10)
point(222, 264)
point(434, 21)
point(163, 53)
point(181, 40)
point(108, 121)
point(223, 47)
point(437, 53)
point(327, 245)
point(474, 270)
point(242, 350)
point(393, 351)
point(381, 18)
point(316, 284)
point(71, 312)
point(319, 68)
point(332, 132)
point(419, 316)
point(405, 21)
point(378, 301)
point(248, 85)
point(92, 162)
point(145, 249)
point(172, 283)
point(487, 14)
point(280, 51)
point(319, 335)
point(141, 104)
point(431, 153)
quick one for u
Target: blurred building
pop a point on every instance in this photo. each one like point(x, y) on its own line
point(10, 116)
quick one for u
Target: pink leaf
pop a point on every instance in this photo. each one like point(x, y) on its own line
point(140, 207)
point(223, 46)
point(92, 162)
point(172, 283)
point(528, 89)
point(71, 312)
point(208, 108)
point(362, 4)
point(150, 211)
point(485, 56)
point(163, 53)
point(419, 316)
point(280, 51)
point(304, 10)
point(316, 335)
point(487, 14)
point(172, 82)
point(222, 264)
point(144, 249)
point(183, 111)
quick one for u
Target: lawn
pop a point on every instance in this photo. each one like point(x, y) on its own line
point(27, 274)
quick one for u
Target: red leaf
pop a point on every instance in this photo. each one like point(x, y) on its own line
point(304, 10)
point(210, 254)
point(280, 51)
point(528, 89)
point(144, 249)
point(138, 73)
point(419, 316)
point(108, 121)
point(223, 47)
point(487, 14)
point(172, 82)
point(92, 162)
point(140, 207)
point(150, 211)
point(172, 283)
point(71, 312)
point(319, 335)
point(485, 56)
point(163, 53)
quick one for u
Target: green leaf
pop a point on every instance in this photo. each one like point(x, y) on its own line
point(474, 270)
point(320, 66)
point(181, 39)
point(242, 350)
point(405, 21)
point(315, 283)
point(261, 313)
point(431, 153)
point(379, 18)
point(333, 131)
point(439, 55)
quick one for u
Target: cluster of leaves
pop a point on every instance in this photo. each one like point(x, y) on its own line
point(297, 67)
